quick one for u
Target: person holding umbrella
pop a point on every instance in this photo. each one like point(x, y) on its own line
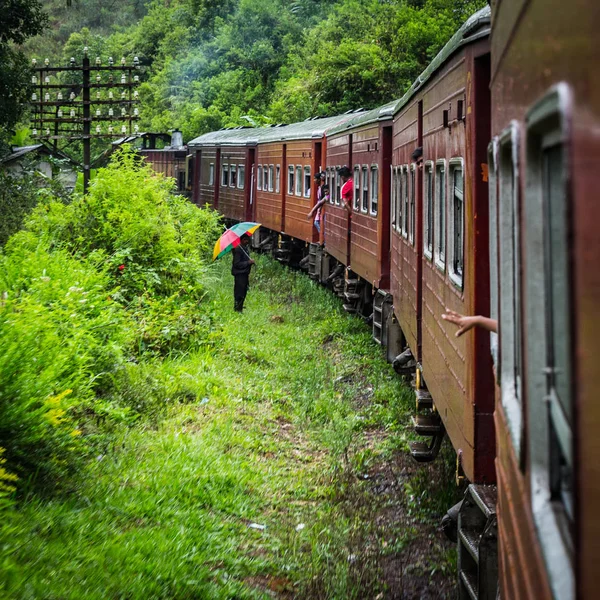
point(237, 239)
point(240, 269)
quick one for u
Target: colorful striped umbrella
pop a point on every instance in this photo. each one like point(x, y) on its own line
point(231, 238)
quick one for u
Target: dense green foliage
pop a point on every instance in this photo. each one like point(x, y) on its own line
point(210, 64)
point(287, 409)
point(88, 289)
point(20, 20)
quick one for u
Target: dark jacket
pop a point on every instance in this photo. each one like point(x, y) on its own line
point(241, 263)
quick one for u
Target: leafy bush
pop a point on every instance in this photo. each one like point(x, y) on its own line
point(92, 291)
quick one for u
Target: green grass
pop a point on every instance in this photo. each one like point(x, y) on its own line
point(265, 423)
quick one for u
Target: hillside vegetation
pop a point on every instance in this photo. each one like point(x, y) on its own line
point(209, 64)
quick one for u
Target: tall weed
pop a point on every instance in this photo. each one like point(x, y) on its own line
point(91, 292)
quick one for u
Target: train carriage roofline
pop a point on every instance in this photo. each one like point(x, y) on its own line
point(310, 129)
point(237, 136)
point(314, 128)
point(382, 113)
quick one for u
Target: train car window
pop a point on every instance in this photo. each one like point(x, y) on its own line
point(356, 188)
point(277, 178)
point(510, 368)
point(440, 214)
point(548, 311)
point(393, 197)
point(189, 171)
point(232, 175)
point(413, 198)
point(399, 211)
point(493, 229)
point(365, 189)
point(211, 174)
point(374, 189)
point(405, 201)
point(307, 182)
point(291, 171)
point(298, 180)
point(338, 185)
point(428, 212)
point(241, 176)
point(259, 177)
point(181, 181)
point(271, 176)
point(456, 221)
point(225, 176)
point(265, 178)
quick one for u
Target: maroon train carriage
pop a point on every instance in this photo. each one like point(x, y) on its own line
point(440, 243)
point(165, 154)
point(364, 143)
point(288, 158)
point(224, 162)
point(543, 166)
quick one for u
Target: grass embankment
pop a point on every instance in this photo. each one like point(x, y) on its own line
point(279, 473)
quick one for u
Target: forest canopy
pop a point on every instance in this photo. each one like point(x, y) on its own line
point(214, 63)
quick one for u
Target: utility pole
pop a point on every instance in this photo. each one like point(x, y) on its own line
point(65, 107)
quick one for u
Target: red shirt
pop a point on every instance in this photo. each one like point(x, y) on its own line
point(347, 192)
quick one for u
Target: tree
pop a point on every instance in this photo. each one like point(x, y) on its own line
point(21, 19)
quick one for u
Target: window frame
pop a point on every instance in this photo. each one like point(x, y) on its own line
point(271, 177)
point(509, 365)
point(412, 204)
point(277, 179)
point(364, 201)
point(291, 180)
point(405, 201)
point(338, 186)
point(549, 124)
point(493, 241)
point(298, 189)
point(232, 172)
point(211, 174)
point(259, 177)
point(307, 174)
point(374, 195)
point(428, 212)
point(241, 175)
point(399, 211)
point(458, 279)
point(357, 195)
point(440, 201)
point(225, 175)
point(392, 198)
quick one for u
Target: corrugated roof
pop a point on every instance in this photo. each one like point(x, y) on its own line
point(309, 129)
point(305, 130)
point(238, 136)
point(366, 118)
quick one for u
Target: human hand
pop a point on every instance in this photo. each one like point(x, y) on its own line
point(464, 323)
point(252, 262)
